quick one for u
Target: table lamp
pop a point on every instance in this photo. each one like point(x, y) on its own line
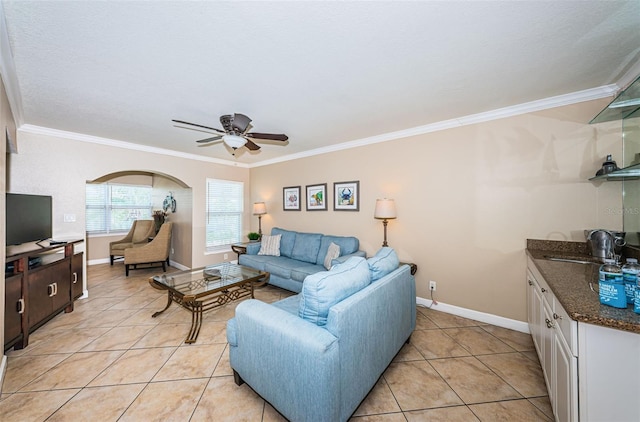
point(385, 210)
point(259, 209)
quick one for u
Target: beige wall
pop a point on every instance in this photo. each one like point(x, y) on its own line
point(61, 167)
point(467, 199)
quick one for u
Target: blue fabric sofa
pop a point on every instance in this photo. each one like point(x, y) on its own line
point(316, 355)
point(301, 254)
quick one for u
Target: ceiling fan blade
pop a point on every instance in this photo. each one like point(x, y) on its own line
point(251, 145)
point(204, 141)
point(197, 125)
point(271, 136)
point(240, 122)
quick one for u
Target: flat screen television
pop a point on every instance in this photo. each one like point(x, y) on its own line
point(28, 218)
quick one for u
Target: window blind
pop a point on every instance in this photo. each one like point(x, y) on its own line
point(112, 208)
point(225, 205)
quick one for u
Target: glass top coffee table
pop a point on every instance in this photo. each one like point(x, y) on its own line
point(202, 289)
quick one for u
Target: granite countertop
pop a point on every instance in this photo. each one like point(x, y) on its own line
point(570, 284)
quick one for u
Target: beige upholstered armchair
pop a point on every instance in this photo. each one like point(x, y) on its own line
point(154, 252)
point(138, 235)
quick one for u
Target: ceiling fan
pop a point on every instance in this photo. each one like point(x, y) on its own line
point(236, 132)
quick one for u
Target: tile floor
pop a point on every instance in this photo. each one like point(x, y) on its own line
point(109, 360)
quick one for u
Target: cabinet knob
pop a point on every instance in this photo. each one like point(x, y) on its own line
point(530, 283)
point(75, 278)
point(556, 316)
point(549, 323)
point(20, 306)
point(542, 289)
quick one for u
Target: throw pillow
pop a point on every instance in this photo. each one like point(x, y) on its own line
point(270, 245)
point(322, 290)
point(332, 253)
point(385, 261)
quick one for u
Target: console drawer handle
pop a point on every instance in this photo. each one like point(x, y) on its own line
point(75, 278)
point(20, 306)
point(51, 290)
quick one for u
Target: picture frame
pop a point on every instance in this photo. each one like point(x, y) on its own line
point(291, 198)
point(346, 196)
point(316, 197)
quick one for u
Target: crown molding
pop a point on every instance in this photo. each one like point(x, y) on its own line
point(501, 113)
point(39, 130)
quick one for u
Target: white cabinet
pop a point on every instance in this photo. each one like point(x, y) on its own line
point(558, 362)
point(592, 372)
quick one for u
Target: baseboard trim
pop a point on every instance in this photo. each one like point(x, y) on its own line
point(98, 261)
point(106, 261)
point(503, 322)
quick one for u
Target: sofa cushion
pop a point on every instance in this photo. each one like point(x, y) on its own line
point(270, 245)
point(348, 245)
point(286, 241)
point(306, 247)
point(303, 269)
point(384, 262)
point(322, 290)
point(280, 266)
point(332, 253)
point(256, 261)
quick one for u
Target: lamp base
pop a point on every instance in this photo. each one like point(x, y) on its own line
point(384, 223)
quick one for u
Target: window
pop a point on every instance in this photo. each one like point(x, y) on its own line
point(225, 204)
point(112, 208)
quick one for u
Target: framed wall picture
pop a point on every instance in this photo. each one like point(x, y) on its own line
point(346, 196)
point(291, 198)
point(317, 197)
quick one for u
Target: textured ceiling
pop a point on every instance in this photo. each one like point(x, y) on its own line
point(324, 73)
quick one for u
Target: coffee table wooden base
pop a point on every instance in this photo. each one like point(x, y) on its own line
point(198, 305)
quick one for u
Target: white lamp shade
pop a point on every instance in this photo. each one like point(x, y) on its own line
point(385, 209)
point(259, 208)
point(234, 141)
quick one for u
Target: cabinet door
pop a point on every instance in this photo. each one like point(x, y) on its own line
point(565, 370)
point(60, 274)
point(547, 350)
point(13, 308)
point(534, 313)
point(40, 292)
point(77, 275)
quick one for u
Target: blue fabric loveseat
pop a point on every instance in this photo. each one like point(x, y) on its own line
point(299, 255)
point(316, 355)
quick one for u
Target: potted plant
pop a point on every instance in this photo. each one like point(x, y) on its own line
point(253, 236)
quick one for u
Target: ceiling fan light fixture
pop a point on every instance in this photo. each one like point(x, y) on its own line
point(234, 141)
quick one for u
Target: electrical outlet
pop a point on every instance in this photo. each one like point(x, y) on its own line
point(432, 286)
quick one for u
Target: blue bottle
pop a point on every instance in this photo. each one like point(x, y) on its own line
point(636, 304)
point(630, 272)
point(611, 285)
